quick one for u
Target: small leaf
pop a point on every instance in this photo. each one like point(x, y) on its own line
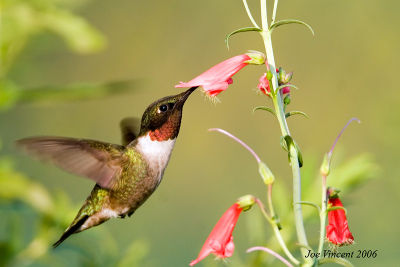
point(290, 21)
point(283, 144)
point(287, 85)
point(246, 29)
point(290, 142)
point(312, 204)
point(295, 112)
point(270, 110)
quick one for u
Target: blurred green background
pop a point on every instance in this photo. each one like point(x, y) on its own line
point(76, 68)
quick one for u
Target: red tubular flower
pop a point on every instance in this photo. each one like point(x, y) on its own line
point(216, 79)
point(337, 230)
point(220, 240)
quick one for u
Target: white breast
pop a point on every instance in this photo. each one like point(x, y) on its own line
point(157, 153)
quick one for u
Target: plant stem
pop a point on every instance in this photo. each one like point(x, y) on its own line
point(277, 232)
point(322, 216)
point(249, 14)
point(280, 113)
point(269, 197)
point(274, 11)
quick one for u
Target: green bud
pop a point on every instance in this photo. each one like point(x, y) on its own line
point(269, 75)
point(246, 202)
point(325, 166)
point(266, 173)
point(257, 58)
point(281, 76)
point(286, 100)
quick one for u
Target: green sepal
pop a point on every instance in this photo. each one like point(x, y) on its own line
point(246, 202)
point(290, 21)
point(270, 110)
point(296, 112)
point(336, 208)
point(246, 29)
point(290, 142)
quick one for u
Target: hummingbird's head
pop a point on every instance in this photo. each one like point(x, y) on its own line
point(162, 119)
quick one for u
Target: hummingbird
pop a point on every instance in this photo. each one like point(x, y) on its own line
point(125, 175)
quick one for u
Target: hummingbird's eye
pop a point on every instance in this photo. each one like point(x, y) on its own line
point(162, 108)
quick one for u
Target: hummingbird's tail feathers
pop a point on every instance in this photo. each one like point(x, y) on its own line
point(73, 228)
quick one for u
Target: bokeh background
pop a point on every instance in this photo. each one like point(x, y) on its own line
point(76, 68)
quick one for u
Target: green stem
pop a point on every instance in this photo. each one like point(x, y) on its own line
point(277, 232)
point(274, 11)
point(269, 197)
point(249, 14)
point(278, 105)
point(322, 216)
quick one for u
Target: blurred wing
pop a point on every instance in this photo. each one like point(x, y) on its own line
point(129, 129)
point(89, 158)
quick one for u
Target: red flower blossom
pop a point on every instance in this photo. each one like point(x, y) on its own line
point(220, 240)
point(264, 85)
point(337, 230)
point(216, 79)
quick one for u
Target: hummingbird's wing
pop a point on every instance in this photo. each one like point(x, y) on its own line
point(129, 129)
point(89, 158)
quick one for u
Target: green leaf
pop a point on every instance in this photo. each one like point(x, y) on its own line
point(283, 144)
point(290, 142)
point(270, 110)
point(246, 29)
point(353, 173)
point(295, 112)
point(290, 21)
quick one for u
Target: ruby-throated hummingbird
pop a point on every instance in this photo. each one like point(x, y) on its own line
point(126, 175)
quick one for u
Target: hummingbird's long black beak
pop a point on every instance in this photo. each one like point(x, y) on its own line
point(184, 96)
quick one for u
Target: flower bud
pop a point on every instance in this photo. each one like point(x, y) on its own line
point(288, 77)
point(325, 166)
point(269, 75)
point(246, 202)
point(281, 75)
point(286, 100)
point(265, 173)
point(257, 58)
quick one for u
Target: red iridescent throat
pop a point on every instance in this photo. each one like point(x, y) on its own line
point(169, 130)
